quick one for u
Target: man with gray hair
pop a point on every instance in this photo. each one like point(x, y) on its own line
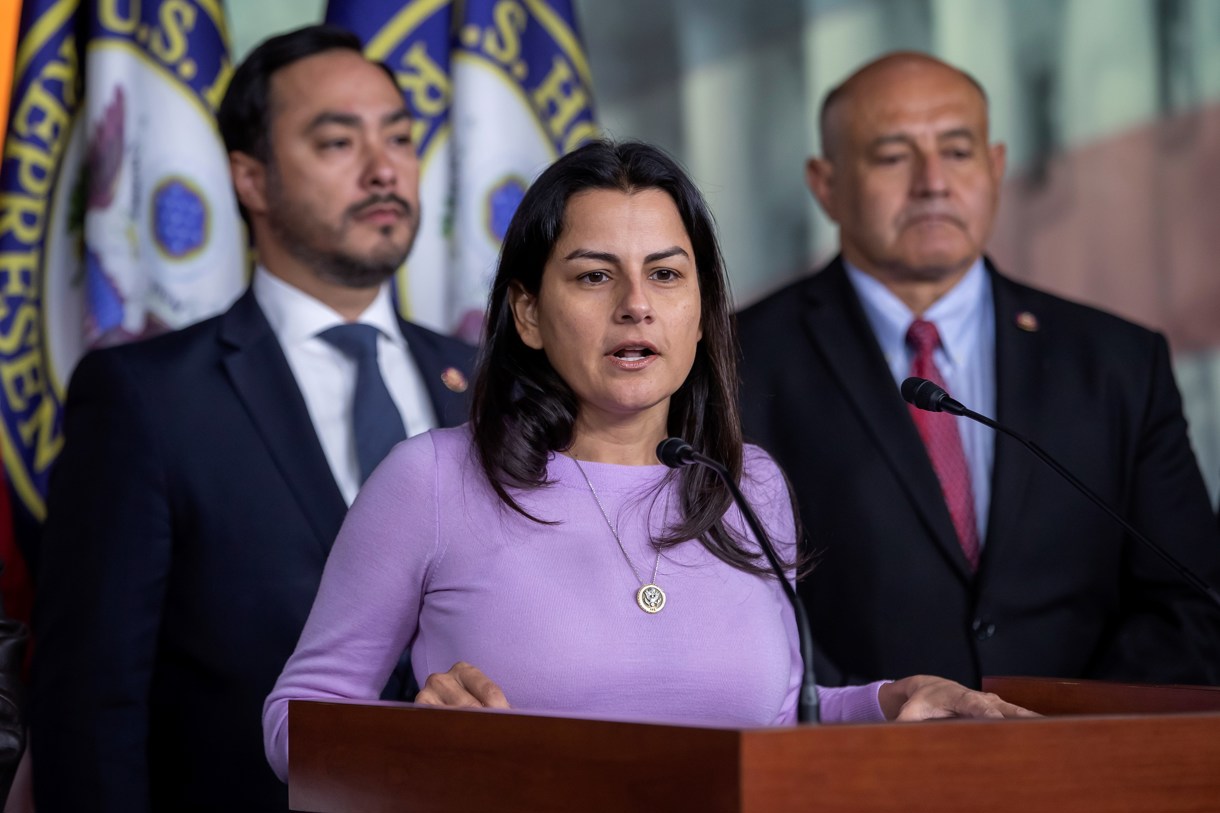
point(944, 548)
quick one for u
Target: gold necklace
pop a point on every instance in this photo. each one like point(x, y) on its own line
point(650, 598)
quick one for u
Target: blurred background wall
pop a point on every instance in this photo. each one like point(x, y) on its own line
point(1110, 109)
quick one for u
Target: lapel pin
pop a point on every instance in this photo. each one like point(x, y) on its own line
point(1027, 321)
point(454, 380)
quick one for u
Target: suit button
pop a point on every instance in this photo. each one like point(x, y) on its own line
point(982, 629)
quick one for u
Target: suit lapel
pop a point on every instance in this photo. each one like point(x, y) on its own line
point(264, 382)
point(1019, 355)
point(445, 380)
point(839, 329)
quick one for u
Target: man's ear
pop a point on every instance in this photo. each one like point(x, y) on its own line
point(525, 315)
point(999, 162)
point(249, 181)
point(819, 177)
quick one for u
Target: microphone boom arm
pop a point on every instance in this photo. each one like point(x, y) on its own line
point(927, 395)
point(675, 452)
point(1038, 452)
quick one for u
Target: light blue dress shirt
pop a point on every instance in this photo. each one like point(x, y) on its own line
point(965, 318)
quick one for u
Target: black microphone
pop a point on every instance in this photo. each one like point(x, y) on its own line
point(926, 395)
point(676, 453)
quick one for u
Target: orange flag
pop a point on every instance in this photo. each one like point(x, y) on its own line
point(14, 579)
point(10, 17)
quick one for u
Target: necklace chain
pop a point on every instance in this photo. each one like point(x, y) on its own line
point(649, 597)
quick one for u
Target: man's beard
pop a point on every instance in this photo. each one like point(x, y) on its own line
point(299, 232)
point(350, 270)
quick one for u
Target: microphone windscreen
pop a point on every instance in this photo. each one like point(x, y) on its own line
point(922, 393)
point(674, 452)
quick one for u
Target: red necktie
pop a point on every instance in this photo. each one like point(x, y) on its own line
point(944, 444)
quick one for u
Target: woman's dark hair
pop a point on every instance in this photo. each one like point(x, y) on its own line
point(523, 410)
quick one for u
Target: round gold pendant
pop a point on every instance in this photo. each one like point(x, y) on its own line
point(650, 598)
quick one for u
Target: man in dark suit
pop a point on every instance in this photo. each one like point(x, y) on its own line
point(943, 548)
point(205, 473)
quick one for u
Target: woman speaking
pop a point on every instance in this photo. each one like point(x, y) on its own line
point(540, 557)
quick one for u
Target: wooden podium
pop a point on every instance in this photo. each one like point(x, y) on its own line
point(1135, 748)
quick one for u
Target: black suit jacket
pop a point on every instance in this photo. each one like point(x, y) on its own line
point(1060, 590)
point(188, 521)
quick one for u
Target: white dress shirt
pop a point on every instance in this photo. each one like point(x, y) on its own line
point(965, 319)
point(327, 377)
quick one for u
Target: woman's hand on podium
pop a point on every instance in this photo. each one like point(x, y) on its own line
point(923, 697)
point(463, 686)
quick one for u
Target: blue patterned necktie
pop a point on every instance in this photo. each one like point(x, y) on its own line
point(376, 421)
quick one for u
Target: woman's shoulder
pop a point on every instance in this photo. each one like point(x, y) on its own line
point(762, 480)
point(758, 465)
point(450, 441)
point(437, 450)
point(442, 442)
point(766, 487)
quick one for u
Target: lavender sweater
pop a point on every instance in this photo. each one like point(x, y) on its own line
point(429, 557)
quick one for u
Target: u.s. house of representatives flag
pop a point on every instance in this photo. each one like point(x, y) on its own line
point(499, 89)
point(117, 219)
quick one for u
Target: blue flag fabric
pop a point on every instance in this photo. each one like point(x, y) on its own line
point(499, 89)
point(117, 219)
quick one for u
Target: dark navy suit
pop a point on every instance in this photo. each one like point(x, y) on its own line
point(1060, 591)
point(188, 522)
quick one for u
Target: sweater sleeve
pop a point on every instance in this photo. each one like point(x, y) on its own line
point(367, 608)
point(851, 704)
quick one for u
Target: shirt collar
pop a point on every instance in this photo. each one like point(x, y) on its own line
point(295, 316)
point(955, 314)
